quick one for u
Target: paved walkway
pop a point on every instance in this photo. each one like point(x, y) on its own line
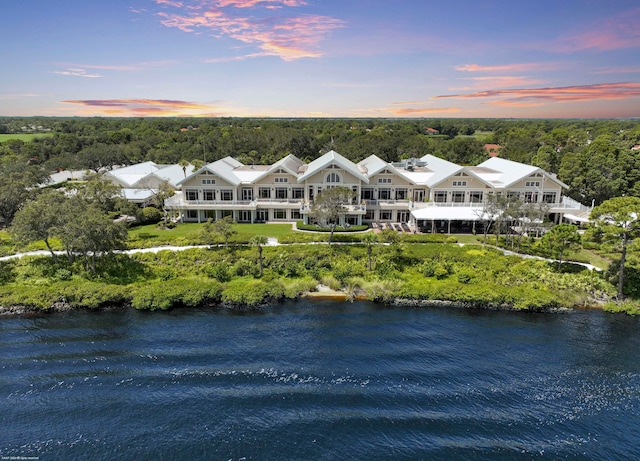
point(271, 241)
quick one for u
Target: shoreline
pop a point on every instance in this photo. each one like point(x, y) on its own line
point(325, 294)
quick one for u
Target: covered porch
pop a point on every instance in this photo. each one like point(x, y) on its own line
point(448, 219)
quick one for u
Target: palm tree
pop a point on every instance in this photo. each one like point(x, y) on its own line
point(259, 241)
point(184, 164)
point(369, 239)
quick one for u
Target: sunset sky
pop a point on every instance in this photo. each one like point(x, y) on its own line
point(320, 58)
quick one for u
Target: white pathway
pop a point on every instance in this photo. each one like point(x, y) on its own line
point(270, 242)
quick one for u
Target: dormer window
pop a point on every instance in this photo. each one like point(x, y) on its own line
point(333, 178)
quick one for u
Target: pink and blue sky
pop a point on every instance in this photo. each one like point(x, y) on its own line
point(320, 58)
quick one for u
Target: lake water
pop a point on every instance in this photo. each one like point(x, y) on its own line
point(320, 380)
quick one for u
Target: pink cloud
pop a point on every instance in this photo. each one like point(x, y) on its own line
point(120, 67)
point(76, 72)
point(417, 111)
point(535, 96)
point(142, 107)
point(516, 67)
point(288, 38)
point(170, 3)
point(617, 70)
point(498, 81)
point(252, 3)
point(617, 32)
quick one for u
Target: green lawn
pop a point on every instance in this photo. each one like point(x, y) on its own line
point(26, 137)
point(189, 233)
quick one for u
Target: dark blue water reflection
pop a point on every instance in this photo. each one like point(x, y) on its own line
point(320, 380)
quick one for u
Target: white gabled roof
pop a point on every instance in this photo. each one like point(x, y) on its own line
point(507, 172)
point(333, 158)
point(138, 195)
point(291, 164)
point(442, 169)
point(373, 165)
point(222, 168)
point(129, 175)
point(173, 174)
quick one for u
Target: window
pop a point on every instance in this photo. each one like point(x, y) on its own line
point(192, 214)
point(264, 192)
point(457, 197)
point(297, 193)
point(549, 197)
point(369, 215)
point(475, 197)
point(384, 194)
point(247, 194)
point(281, 192)
point(226, 195)
point(513, 196)
point(384, 180)
point(209, 194)
point(208, 181)
point(333, 177)
point(532, 184)
point(192, 194)
point(295, 214)
point(385, 215)
point(367, 194)
point(530, 197)
point(459, 183)
point(440, 197)
point(280, 214)
point(401, 194)
point(281, 179)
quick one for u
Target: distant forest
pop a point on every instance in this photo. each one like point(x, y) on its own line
point(598, 159)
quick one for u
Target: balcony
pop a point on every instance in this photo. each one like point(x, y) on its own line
point(286, 202)
point(361, 208)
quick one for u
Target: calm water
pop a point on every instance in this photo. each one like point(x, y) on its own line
point(320, 381)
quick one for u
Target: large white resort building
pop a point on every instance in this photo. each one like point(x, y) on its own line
point(429, 193)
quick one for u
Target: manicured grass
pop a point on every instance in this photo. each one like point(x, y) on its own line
point(26, 137)
point(594, 259)
point(189, 234)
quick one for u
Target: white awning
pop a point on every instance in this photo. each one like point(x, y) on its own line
point(448, 213)
point(572, 217)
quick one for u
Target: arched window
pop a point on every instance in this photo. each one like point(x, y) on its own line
point(333, 177)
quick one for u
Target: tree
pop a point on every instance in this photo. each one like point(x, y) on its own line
point(101, 157)
point(212, 230)
point(39, 220)
point(561, 238)
point(103, 193)
point(259, 241)
point(329, 205)
point(369, 239)
point(491, 214)
point(14, 191)
point(184, 164)
point(85, 229)
point(619, 217)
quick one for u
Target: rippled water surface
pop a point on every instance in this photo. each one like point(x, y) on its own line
point(320, 381)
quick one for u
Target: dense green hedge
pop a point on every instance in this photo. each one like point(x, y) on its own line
point(310, 227)
point(194, 277)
